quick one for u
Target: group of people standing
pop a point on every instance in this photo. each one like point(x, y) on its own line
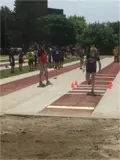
point(40, 56)
point(55, 57)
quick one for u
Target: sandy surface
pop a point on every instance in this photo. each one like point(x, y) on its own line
point(55, 138)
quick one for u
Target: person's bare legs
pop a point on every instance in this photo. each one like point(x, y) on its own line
point(12, 69)
point(40, 80)
point(40, 76)
point(61, 65)
point(81, 65)
point(88, 79)
point(93, 82)
point(20, 66)
point(46, 76)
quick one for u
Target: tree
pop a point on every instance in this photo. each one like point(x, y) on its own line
point(57, 29)
point(7, 27)
point(79, 24)
point(100, 35)
point(27, 13)
point(29, 22)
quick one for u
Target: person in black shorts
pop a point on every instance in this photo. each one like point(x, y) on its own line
point(61, 57)
point(50, 56)
point(12, 60)
point(36, 49)
point(91, 67)
point(56, 57)
point(20, 55)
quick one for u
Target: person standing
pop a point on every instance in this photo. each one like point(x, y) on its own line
point(56, 57)
point(30, 56)
point(61, 57)
point(12, 60)
point(116, 54)
point(36, 48)
point(91, 67)
point(20, 58)
point(50, 56)
point(81, 54)
point(42, 64)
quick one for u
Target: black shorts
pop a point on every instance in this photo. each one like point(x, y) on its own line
point(62, 59)
point(12, 64)
point(57, 61)
point(91, 68)
point(20, 61)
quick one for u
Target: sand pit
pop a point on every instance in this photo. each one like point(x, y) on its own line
point(55, 138)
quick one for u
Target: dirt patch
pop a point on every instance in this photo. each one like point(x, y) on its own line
point(55, 138)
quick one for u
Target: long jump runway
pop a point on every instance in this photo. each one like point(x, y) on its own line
point(76, 103)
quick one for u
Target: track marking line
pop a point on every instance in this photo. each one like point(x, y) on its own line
point(103, 77)
point(71, 92)
point(87, 90)
point(106, 75)
point(86, 85)
point(81, 93)
point(104, 88)
point(101, 81)
point(71, 107)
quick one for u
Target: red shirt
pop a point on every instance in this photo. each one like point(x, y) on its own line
point(44, 58)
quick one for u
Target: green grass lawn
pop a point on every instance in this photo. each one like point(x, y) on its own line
point(6, 73)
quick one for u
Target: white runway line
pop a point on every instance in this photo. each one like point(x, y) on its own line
point(103, 77)
point(87, 90)
point(71, 107)
point(71, 93)
point(98, 85)
point(106, 75)
point(101, 81)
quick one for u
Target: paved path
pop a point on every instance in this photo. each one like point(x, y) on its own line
point(109, 106)
point(32, 100)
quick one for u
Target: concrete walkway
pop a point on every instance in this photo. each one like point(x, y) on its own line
point(31, 100)
point(109, 106)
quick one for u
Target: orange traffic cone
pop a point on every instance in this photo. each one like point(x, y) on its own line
point(110, 85)
point(76, 83)
point(72, 85)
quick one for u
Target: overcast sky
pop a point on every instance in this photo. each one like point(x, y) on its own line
point(92, 10)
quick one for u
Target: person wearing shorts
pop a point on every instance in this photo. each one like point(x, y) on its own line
point(61, 57)
point(81, 55)
point(56, 57)
point(81, 61)
point(30, 56)
point(50, 56)
point(20, 57)
point(116, 54)
point(91, 67)
point(42, 62)
point(36, 48)
point(12, 60)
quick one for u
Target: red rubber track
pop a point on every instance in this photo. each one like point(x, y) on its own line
point(26, 82)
